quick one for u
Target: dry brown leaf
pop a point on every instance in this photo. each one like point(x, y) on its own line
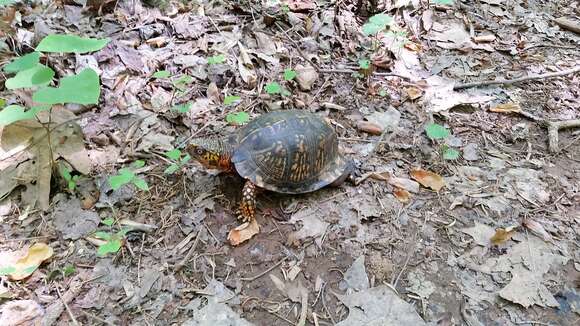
point(502, 235)
point(21, 265)
point(428, 179)
point(213, 93)
point(427, 20)
point(369, 127)
point(413, 92)
point(21, 312)
point(402, 195)
point(246, 67)
point(537, 229)
point(306, 76)
point(243, 232)
point(484, 38)
point(301, 5)
point(507, 108)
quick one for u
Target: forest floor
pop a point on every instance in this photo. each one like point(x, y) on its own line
point(476, 224)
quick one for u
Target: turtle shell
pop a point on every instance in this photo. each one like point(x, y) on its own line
point(289, 151)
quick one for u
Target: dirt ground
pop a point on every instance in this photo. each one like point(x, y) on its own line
point(498, 244)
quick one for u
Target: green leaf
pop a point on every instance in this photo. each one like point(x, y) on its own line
point(72, 185)
point(173, 154)
point(376, 24)
point(231, 99)
point(220, 58)
point(68, 270)
point(436, 131)
point(450, 154)
point(13, 113)
point(111, 246)
point(70, 44)
point(117, 181)
point(6, 2)
point(161, 74)
point(141, 184)
point(289, 74)
point(23, 63)
point(238, 118)
point(39, 75)
point(364, 64)
point(108, 221)
point(273, 88)
point(138, 164)
point(443, 2)
point(186, 159)
point(286, 92)
point(83, 88)
point(7, 270)
point(171, 169)
point(182, 108)
point(181, 82)
point(103, 235)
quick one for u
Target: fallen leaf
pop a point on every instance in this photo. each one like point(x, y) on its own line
point(243, 232)
point(296, 292)
point(537, 229)
point(306, 76)
point(19, 265)
point(246, 67)
point(440, 96)
point(312, 226)
point(213, 93)
point(507, 108)
point(413, 92)
point(369, 127)
point(356, 275)
point(480, 233)
point(502, 235)
point(402, 195)
point(428, 179)
point(21, 312)
point(378, 306)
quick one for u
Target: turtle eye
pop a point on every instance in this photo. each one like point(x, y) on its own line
point(199, 151)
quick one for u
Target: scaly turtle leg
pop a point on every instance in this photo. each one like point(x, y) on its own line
point(248, 204)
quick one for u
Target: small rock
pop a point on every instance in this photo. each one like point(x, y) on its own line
point(356, 276)
point(470, 152)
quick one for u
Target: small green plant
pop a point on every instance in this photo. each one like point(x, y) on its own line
point(161, 74)
point(179, 161)
point(182, 83)
point(231, 99)
point(216, 59)
point(275, 88)
point(437, 132)
point(113, 241)
point(109, 221)
point(376, 24)
point(182, 108)
point(127, 176)
point(70, 179)
point(239, 118)
point(289, 74)
point(364, 64)
point(443, 2)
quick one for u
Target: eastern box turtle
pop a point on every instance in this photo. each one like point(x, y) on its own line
point(289, 151)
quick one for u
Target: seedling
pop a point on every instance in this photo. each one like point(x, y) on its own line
point(216, 59)
point(231, 99)
point(437, 132)
point(127, 176)
point(114, 241)
point(289, 74)
point(275, 88)
point(239, 118)
point(161, 74)
point(175, 155)
point(70, 179)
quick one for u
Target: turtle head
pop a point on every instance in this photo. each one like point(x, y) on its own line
point(211, 153)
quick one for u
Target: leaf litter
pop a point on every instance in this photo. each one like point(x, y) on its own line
point(411, 77)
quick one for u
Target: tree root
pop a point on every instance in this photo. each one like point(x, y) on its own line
point(554, 127)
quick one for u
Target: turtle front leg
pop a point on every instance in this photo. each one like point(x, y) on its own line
point(248, 204)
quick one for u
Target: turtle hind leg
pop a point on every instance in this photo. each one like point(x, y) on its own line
point(248, 204)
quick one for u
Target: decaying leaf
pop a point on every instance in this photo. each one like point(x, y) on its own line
point(296, 292)
point(20, 265)
point(428, 179)
point(21, 312)
point(507, 108)
point(537, 229)
point(306, 76)
point(243, 232)
point(502, 235)
point(480, 233)
point(65, 142)
point(312, 226)
point(402, 195)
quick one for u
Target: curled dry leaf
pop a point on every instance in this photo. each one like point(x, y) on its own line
point(428, 179)
point(243, 232)
point(537, 229)
point(20, 268)
point(507, 108)
point(413, 92)
point(306, 76)
point(502, 235)
point(369, 127)
point(402, 195)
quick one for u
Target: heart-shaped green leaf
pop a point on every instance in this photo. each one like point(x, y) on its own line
point(83, 88)
point(39, 75)
point(436, 131)
point(13, 113)
point(70, 44)
point(273, 88)
point(24, 62)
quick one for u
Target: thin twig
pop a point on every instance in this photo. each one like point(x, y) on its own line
point(70, 314)
point(350, 71)
point(264, 272)
point(297, 47)
point(518, 80)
